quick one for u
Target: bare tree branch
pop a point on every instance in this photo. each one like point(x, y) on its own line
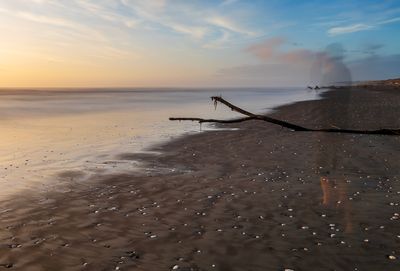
point(199, 120)
point(285, 124)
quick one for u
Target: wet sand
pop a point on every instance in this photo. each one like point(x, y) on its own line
point(258, 198)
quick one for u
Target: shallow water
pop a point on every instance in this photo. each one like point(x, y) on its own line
point(51, 136)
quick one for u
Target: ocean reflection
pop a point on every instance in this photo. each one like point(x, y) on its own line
point(45, 133)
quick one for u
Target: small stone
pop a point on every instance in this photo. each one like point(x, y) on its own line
point(175, 267)
point(392, 257)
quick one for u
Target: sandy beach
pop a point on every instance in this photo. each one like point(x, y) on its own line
point(257, 198)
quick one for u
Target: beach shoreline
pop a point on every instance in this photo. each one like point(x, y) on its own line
point(258, 198)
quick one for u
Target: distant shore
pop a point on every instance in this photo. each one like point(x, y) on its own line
point(388, 84)
point(258, 198)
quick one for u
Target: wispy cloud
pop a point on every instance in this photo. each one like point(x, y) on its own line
point(349, 29)
point(389, 21)
point(228, 2)
point(100, 11)
point(230, 25)
point(339, 30)
point(197, 32)
point(219, 43)
point(104, 18)
point(56, 21)
point(207, 26)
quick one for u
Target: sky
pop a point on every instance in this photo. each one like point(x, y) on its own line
point(182, 43)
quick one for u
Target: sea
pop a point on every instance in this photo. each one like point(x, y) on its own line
point(47, 132)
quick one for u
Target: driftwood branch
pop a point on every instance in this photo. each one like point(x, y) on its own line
point(200, 120)
point(285, 124)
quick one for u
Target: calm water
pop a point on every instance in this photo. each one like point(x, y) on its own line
point(45, 133)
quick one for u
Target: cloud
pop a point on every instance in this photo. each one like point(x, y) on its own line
point(228, 24)
point(389, 21)
point(360, 27)
point(271, 50)
point(281, 65)
point(298, 56)
point(219, 43)
point(349, 29)
point(370, 48)
point(206, 26)
point(228, 2)
point(266, 74)
point(267, 49)
point(41, 1)
point(63, 23)
point(374, 46)
point(107, 13)
point(154, 12)
point(56, 21)
point(195, 32)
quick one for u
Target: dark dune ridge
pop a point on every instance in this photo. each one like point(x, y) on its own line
point(259, 198)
